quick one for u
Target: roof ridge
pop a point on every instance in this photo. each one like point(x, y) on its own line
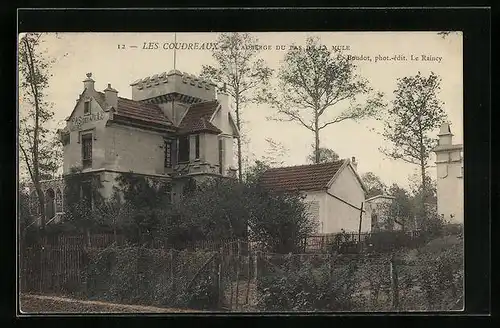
point(307, 165)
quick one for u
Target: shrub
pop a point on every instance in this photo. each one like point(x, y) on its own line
point(435, 280)
point(147, 276)
point(308, 288)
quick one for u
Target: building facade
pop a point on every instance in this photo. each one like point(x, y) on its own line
point(450, 173)
point(334, 193)
point(377, 212)
point(176, 126)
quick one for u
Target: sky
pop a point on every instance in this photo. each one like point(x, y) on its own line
point(111, 59)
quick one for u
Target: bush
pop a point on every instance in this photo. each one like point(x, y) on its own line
point(438, 271)
point(146, 276)
point(306, 288)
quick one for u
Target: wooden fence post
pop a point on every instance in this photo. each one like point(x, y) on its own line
point(172, 271)
point(359, 231)
point(248, 278)
point(238, 275)
point(394, 284)
point(220, 289)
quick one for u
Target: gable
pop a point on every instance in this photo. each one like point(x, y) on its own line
point(96, 105)
point(78, 120)
point(347, 186)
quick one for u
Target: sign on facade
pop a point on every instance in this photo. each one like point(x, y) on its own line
point(78, 121)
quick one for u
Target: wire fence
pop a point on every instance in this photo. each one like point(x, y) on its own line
point(244, 281)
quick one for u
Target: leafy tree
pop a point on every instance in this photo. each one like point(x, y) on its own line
point(146, 203)
point(81, 196)
point(312, 82)
point(401, 207)
point(215, 210)
point(325, 155)
point(255, 171)
point(40, 154)
point(225, 208)
point(424, 204)
point(374, 184)
point(279, 221)
point(415, 113)
point(238, 68)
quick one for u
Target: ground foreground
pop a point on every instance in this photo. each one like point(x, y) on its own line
point(34, 304)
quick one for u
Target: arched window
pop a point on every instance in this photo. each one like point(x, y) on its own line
point(59, 201)
point(49, 203)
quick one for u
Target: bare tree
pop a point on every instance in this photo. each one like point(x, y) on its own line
point(38, 146)
point(275, 153)
point(314, 81)
point(238, 68)
point(415, 112)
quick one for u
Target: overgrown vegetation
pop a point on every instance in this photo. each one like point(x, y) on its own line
point(428, 279)
point(137, 275)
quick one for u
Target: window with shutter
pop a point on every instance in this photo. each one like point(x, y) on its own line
point(221, 156)
point(87, 150)
point(197, 146)
point(184, 148)
point(168, 153)
point(313, 211)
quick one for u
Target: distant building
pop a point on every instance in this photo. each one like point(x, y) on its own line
point(450, 172)
point(334, 192)
point(377, 213)
point(176, 126)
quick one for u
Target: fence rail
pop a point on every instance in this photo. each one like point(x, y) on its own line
point(151, 276)
point(344, 241)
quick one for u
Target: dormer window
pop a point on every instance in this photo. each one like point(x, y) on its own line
point(86, 107)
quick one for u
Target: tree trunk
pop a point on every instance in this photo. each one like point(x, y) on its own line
point(238, 125)
point(36, 133)
point(316, 140)
point(424, 187)
point(41, 204)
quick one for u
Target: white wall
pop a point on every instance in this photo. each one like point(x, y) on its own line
point(130, 149)
point(320, 198)
point(340, 215)
point(72, 152)
point(450, 189)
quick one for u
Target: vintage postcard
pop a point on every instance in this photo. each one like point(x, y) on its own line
point(241, 172)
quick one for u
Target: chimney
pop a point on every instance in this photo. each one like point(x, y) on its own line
point(223, 98)
point(445, 135)
point(354, 163)
point(111, 97)
point(88, 83)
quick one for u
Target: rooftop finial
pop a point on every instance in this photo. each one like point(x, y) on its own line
point(89, 75)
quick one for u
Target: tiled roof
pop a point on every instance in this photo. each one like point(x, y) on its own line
point(303, 177)
point(139, 111)
point(198, 116)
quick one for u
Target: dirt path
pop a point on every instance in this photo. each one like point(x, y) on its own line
point(32, 304)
